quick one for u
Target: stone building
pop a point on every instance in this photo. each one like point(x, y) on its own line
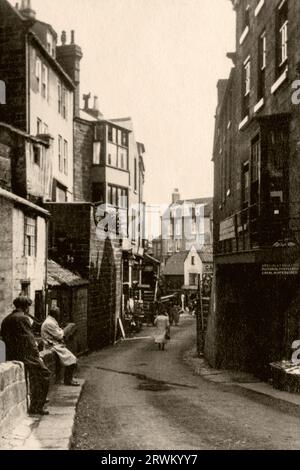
point(109, 171)
point(185, 225)
point(24, 181)
point(256, 205)
point(40, 87)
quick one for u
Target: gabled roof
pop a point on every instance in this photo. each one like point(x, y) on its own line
point(59, 276)
point(175, 264)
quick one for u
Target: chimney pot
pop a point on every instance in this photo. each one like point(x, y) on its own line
point(63, 38)
point(175, 196)
point(96, 104)
point(72, 36)
point(86, 99)
point(26, 10)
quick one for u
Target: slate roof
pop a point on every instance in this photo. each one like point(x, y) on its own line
point(59, 276)
point(175, 264)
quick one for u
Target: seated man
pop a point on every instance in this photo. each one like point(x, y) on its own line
point(21, 346)
point(54, 337)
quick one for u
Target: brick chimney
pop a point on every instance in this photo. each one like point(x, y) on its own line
point(69, 57)
point(26, 10)
point(175, 196)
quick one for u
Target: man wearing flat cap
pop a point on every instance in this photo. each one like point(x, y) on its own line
point(21, 346)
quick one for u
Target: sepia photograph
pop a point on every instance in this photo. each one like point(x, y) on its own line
point(149, 229)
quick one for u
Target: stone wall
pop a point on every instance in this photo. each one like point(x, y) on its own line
point(6, 261)
point(74, 244)
point(83, 155)
point(13, 395)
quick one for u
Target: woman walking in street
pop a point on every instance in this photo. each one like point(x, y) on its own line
point(163, 330)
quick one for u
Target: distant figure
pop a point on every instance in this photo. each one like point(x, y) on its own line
point(171, 313)
point(54, 337)
point(163, 330)
point(176, 314)
point(21, 346)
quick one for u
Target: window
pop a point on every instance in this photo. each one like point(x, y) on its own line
point(64, 103)
point(98, 192)
point(114, 135)
point(37, 155)
point(112, 154)
point(46, 129)
point(255, 159)
point(97, 153)
point(60, 157)
point(110, 134)
point(66, 157)
point(193, 279)
point(59, 93)
point(255, 170)
point(245, 184)
point(135, 175)
point(122, 161)
point(193, 260)
point(44, 81)
point(124, 139)
point(222, 178)
point(282, 36)
point(246, 87)
point(61, 194)
point(262, 60)
point(38, 72)
point(39, 126)
point(30, 236)
point(246, 18)
point(25, 288)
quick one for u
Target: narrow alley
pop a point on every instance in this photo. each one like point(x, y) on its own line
point(139, 398)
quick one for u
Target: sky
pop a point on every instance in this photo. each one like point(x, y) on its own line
point(157, 61)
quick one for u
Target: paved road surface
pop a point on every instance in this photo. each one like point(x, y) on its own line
point(139, 398)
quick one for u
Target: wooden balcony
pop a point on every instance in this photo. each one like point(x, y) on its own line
point(256, 228)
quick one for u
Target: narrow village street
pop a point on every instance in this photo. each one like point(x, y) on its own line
point(138, 398)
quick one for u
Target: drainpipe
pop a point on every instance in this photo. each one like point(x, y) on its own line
point(46, 269)
point(27, 84)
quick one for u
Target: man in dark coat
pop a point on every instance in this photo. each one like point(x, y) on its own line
point(21, 346)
